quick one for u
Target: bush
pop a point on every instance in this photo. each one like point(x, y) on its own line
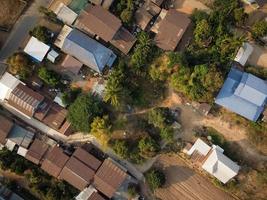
point(121, 148)
point(69, 97)
point(160, 117)
point(41, 33)
point(155, 179)
point(132, 190)
point(49, 76)
point(259, 29)
point(19, 64)
point(101, 129)
point(83, 111)
point(148, 147)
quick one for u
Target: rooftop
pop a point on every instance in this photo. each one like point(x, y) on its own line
point(65, 14)
point(244, 94)
point(71, 64)
point(5, 128)
point(37, 151)
point(7, 83)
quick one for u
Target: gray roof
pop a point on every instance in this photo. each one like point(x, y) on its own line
point(244, 94)
point(21, 136)
point(88, 51)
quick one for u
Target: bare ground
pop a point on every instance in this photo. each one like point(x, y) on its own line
point(184, 183)
point(258, 58)
point(188, 6)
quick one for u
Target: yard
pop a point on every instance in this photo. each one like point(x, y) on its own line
point(183, 182)
point(10, 10)
point(258, 58)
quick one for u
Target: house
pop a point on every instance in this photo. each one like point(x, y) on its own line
point(212, 160)
point(169, 29)
point(71, 64)
point(36, 49)
point(88, 51)
point(89, 193)
point(37, 151)
point(25, 99)
point(80, 169)
point(243, 53)
point(97, 21)
point(52, 56)
point(65, 14)
point(7, 83)
point(55, 161)
point(244, 94)
point(109, 177)
point(5, 128)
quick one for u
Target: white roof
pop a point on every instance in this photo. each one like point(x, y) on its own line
point(220, 166)
point(65, 14)
point(200, 146)
point(243, 53)
point(36, 49)
point(52, 55)
point(58, 100)
point(7, 83)
point(22, 151)
point(10, 145)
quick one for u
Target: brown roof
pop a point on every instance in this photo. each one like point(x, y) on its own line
point(109, 178)
point(123, 40)
point(5, 127)
point(142, 18)
point(95, 196)
point(66, 128)
point(96, 2)
point(77, 173)
point(71, 64)
point(44, 107)
point(158, 2)
point(36, 151)
point(87, 158)
point(55, 161)
point(171, 29)
point(55, 116)
point(25, 99)
point(152, 8)
point(97, 20)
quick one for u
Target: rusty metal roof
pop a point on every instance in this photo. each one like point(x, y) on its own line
point(37, 151)
point(5, 127)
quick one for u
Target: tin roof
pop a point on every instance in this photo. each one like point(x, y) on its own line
point(5, 128)
point(37, 151)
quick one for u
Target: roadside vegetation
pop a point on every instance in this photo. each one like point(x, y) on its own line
point(40, 184)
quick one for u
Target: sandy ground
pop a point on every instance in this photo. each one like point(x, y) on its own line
point(188, 6)
point(258, 56)
point(185, 184)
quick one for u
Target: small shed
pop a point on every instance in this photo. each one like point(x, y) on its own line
point(58, 100)
point(52, 56)
point(36, 49)
point(65, 14)
point(243, 53)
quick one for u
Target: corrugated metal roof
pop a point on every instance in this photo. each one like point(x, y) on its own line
point(36, 151)
point(5, 127)
point(88, 51)
point(21, 136)
point(243, 94)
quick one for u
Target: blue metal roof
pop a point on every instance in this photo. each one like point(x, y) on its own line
point(244, 94)
point(88, 51)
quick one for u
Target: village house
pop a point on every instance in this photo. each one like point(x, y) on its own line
point(244, 94)
point(212, 160)
point(169, 29)
point(97, 21)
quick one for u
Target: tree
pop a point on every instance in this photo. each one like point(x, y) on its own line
point(41, 33)
point(155, 179)
point(48, 13)
point(148, 146)
point(126, 16)
point(259, 29)
point(202, 32)
point(166, 133)
point(115, 90)
point(19, 64)
point(160, 117)
point(50, 77)
point(68, 97)
point(120, 147)
point(83, 111)
point(240, 16)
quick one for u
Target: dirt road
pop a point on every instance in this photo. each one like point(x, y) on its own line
point(185, 184)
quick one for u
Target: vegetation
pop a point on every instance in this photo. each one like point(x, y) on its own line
point(50, 15)
point(50, 77)
point(19, 64)
point(125, 9)
point(257, 134)
point(120, 147)
point(148, 146)
point(69, 96)
point(132, 190)
point(155, 179)
point(259, 29)
point(83, 111)
point(40, 183)
point(41, 33)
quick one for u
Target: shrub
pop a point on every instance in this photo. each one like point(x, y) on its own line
point(148, 146)
point(259, 29)
point(155, 179)
point(19, 64)
point(121, 148)
point(50, 77)
point(41, 33)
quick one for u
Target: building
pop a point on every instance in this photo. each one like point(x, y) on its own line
point(169, 29)
point(25, 99)
point(158, 2)
point(54, 161)
point(97, 21)
point(5, 128)
point(88, 51)
point(212, 160)
point(7, 83)
point(71, 64)
point(36, 49)
point(37, 151)
point(52, 56)
point(244, 94)
point(243, 53)
point(65, 14)
point(109, 177)
point(89, 193)
point(7, 194)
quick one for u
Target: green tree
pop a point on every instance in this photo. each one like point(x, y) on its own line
point(50, 77)
point(240, 16)
point(127, 16)
point(19, 64)
point(167, 133)
point(83, 111)
point(155, 179)
point(160, 117)
point(68, 97)
point(148, 146)
point(202, 32)
point(41, 33)
point(259, 29)
point(121, 148)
